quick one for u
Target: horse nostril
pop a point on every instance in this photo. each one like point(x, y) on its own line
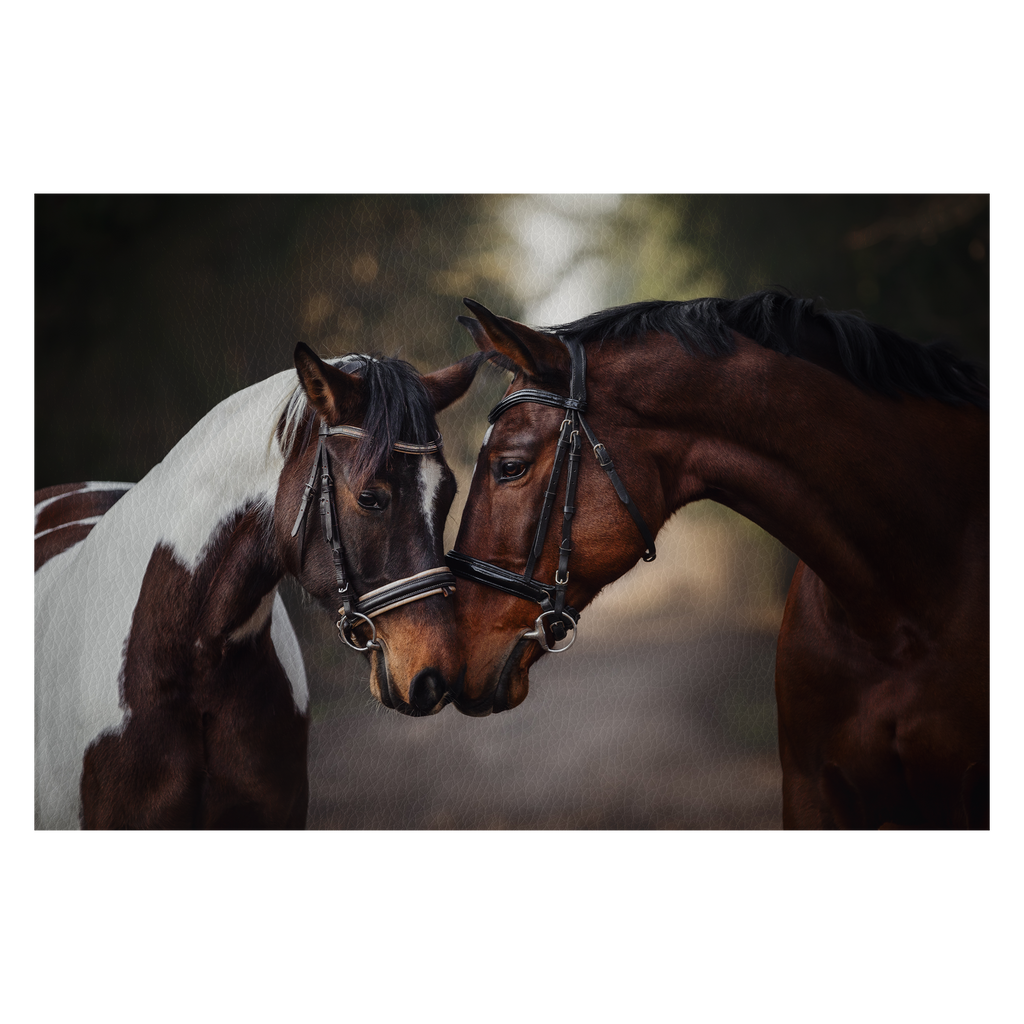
point(426, 689)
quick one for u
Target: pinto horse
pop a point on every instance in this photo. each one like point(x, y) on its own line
point(170, 689)
point(864, 453)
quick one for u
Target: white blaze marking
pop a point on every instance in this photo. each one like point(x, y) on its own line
point(487, 438)
point(430, 482)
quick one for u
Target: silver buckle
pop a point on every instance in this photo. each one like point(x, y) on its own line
point(539, 636)
point(346, 622)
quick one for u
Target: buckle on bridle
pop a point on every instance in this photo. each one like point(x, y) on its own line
point(538, 633)
point(347, 622)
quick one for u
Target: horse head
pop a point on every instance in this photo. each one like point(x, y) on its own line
point(535, 539)
point(360, 512)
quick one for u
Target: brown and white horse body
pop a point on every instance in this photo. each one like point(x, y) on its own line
point(170, 689)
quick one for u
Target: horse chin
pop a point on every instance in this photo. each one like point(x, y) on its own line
point(511, 686)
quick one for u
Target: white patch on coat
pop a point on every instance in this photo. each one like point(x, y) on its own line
point(92, 485)
point(227, 460)
point(77, 522)
point(286, 644)
point(256, 621)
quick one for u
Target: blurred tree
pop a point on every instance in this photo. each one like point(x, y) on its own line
point(151, 309)
point(915, 263)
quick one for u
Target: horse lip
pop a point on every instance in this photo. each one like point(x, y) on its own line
point(454, 690)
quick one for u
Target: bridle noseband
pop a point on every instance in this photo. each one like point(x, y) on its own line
point(551, 597)
point(354, 609)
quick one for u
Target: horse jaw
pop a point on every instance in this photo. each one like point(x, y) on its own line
point(514, 680)
point(497, 674)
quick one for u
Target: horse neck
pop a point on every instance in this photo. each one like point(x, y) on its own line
point(873, 494)
point(202, 519)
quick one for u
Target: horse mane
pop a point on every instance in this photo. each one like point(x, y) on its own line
point(873, 357)
point(398, 408)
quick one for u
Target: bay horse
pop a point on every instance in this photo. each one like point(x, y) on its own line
point(864, 453)
point(170, 688)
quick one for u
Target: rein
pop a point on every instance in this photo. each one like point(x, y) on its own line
point(383, 599)
point(551, 597)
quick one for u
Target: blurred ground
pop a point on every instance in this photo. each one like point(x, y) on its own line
point(651, 721)
point(638, 740)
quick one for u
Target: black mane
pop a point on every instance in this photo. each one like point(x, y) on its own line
point(870, 356)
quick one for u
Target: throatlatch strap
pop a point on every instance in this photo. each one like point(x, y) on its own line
point(604, 460)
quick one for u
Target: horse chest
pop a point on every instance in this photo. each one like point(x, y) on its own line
point(870, 732)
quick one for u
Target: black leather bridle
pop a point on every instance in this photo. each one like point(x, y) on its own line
point(551, 597)
point(354, 609)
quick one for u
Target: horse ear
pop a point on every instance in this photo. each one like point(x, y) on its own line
point(444, 386)
point(333, 393)
point(539, 355)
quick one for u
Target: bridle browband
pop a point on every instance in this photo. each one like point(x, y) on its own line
point(383, 599)
point(551, 597)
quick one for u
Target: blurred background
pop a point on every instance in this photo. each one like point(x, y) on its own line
point(151, 309)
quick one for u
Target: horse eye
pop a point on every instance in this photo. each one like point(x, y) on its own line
point(511, 469)
point(376, 501)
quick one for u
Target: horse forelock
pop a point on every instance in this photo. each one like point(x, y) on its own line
point(397, 408)
point(873, 357)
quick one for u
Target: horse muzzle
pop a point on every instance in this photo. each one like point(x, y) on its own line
point(429, 689)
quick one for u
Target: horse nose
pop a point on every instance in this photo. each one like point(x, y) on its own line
point(426, 689)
